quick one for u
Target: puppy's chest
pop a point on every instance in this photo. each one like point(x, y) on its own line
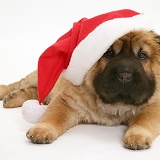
point(114, 114)
point(92, 110)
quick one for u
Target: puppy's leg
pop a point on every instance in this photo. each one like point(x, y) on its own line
point(143, 128)
point(18, 97)
point(6, 89)
point(16, 93)
point(29, 81)
point(58, 118)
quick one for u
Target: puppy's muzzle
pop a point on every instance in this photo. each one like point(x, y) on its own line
point(125, 69)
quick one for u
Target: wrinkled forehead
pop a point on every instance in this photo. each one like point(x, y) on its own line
point(135, 42)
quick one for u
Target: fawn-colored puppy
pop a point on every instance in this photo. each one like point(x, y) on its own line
point(123, 87)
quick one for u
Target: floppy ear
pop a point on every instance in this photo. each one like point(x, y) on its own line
point(158, 39)
point(156, 36)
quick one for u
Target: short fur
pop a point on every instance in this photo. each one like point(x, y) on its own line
point(123, 87)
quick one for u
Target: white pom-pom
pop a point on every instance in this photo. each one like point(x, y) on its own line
point(32, 111)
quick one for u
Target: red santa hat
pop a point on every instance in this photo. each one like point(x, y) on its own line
point(73, 54)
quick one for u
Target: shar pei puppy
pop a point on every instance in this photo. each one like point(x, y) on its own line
point(122, 87)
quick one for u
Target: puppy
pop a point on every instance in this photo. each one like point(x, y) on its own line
point(123, 87)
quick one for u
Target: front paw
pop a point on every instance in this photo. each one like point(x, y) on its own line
point(42, 134)
point(137, 139)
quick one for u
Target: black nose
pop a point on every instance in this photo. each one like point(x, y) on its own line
point(124, 77)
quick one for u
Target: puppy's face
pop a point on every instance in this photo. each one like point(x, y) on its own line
point(128, 69)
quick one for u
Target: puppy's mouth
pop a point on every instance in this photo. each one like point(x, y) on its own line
point(124, 83)
point(126, 93)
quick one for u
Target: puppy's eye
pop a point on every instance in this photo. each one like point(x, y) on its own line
point(142, 56)
point(109, 54)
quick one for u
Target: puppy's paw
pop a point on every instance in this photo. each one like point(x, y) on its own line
point(11, 100)
point(137, 139)
point(3, 91)
point(15, 99)
point(8, 101)
point(42, 134)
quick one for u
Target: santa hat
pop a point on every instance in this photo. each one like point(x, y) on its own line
point(73, 54)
